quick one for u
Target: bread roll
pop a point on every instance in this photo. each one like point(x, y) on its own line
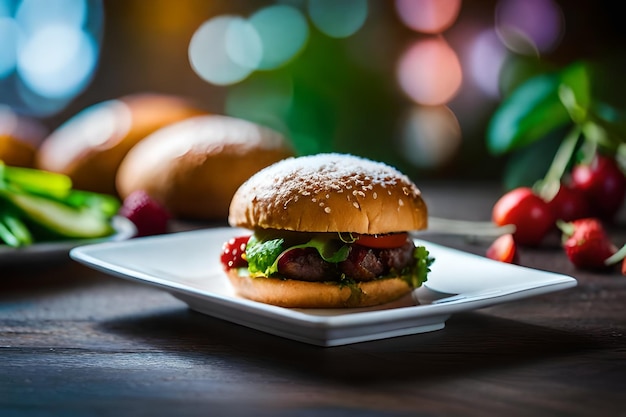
point(19, 138)
point(193, 167)
point(90, 146)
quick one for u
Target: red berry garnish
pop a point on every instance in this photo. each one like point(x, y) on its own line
point(530, 214)
point(232, 252)
point(503, 249)
point(586, 243)
point(603, 184)
point(569, 204)
point(149, 216)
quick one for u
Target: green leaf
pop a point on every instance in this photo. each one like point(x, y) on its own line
point(528, 114)
point(606, 127)
point(330, 249)
point(528, 165)
point(536, 108)
point(575, 91)
point(420, 272)
point(261, 255)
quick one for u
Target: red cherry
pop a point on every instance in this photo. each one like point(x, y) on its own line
point(232, 252)
point(569, 204)
point(503, 249)
point(530, 214)
point(603, 184)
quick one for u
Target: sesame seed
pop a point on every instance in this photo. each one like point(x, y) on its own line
point(355, 204)
point(375, 195)
point(327, 209)
point(314, 199)
point(400, 202)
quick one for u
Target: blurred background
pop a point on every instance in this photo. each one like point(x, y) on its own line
point(409, 82)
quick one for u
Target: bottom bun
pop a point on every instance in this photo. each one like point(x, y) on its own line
point(305, 294)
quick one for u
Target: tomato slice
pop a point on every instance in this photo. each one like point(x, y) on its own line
point(390, 240)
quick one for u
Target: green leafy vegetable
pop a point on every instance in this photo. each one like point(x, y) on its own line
point(263, 256)
point(37, 205)
point(537, 108)
point(13, 231)
point(419, 274)
point(331, 250)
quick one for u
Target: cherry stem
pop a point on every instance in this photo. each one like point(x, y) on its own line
point(563, 155)
point(616, 257)
point(548, 187)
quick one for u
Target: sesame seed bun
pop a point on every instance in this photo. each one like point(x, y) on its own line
point(329, 193)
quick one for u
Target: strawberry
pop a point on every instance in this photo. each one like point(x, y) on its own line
point(503, 249)
point(149, 216)
point(586, 243)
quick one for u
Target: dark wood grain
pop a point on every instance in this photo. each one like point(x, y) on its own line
point(76, 342)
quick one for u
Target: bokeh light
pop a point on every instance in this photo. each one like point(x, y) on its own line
point(48, 52)
point(428, 16)
point(9, 32)
point(34, 14)
point(431, 136)
point(283, 32)
point(264, 99)
point(529, 26)
point(53, 71)
point(338, 19)
point(486, 59)
point(429, 71)
point(225, 50)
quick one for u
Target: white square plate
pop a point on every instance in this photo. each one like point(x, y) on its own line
point(186, 264)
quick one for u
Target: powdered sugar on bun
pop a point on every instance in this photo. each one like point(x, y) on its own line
point(329, 193)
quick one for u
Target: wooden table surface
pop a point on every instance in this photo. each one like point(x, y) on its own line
point(77, 342)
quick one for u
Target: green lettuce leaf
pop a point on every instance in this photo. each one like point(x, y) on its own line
point(263, 256)
point(419, 274)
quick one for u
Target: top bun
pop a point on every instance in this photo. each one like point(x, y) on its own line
point(329, 193)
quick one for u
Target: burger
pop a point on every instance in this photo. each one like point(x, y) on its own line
point(326, 231)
